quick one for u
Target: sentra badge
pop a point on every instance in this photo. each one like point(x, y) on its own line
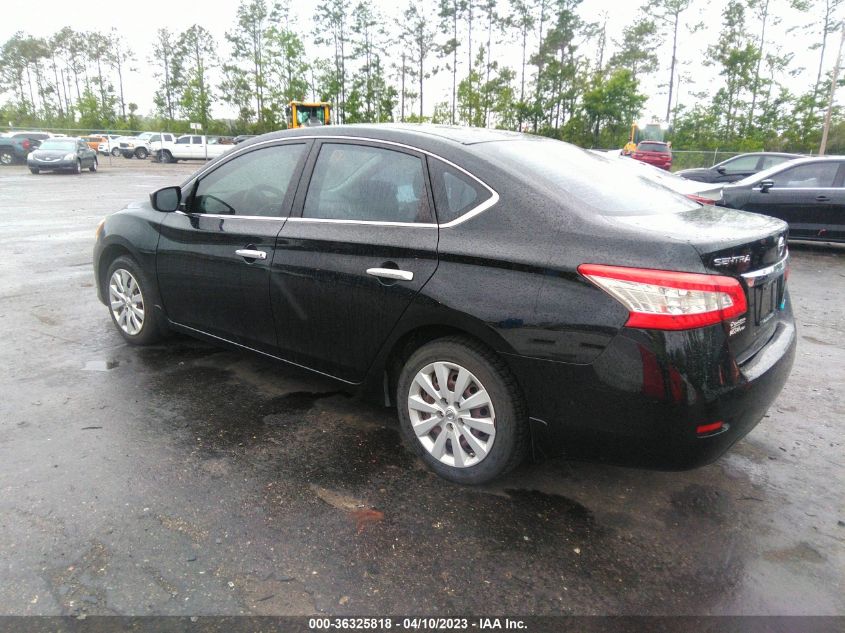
point(736, 259)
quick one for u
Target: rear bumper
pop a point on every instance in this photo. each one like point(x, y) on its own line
point(641, 402)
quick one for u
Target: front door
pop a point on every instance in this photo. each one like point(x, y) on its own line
point(363, 246)
point(213, 260)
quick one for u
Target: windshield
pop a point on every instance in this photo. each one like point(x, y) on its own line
point(594, 184)
point(653, 147)
point(310, 114)
point(145, 135)
point(65, 146)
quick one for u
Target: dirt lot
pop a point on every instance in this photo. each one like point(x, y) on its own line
point(187, 479)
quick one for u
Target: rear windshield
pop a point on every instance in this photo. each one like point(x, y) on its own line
point(65, 146)
point(652, 147)
point(593, 183)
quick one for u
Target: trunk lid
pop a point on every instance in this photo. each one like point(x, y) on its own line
point(746, 246)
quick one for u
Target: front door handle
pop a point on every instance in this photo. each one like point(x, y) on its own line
point(391, 273)
point(248, 253)
point(822, 199)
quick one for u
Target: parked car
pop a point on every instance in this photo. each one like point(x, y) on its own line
point(189, 147)
point(704, 193)
point(62, 154)
point(95, 141)
point(140, 146)
point(110, 145)
point(243, 137)
point(500, 289)
point(16, 146)
point(808, 193)
point(654, 153)
point(738, 167)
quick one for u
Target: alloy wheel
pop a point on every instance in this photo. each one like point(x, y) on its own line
point(126, 301)
point(452, 414)
point(6, 158)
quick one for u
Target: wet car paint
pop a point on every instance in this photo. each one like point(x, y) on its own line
point(334, 319)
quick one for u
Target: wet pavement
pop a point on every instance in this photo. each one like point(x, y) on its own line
point(188, 479)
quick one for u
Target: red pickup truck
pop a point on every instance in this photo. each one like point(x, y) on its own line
point(654, 153)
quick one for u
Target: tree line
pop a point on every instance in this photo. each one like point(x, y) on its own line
point(572, 79)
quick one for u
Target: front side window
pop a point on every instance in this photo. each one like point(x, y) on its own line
point(256, 183)
point(183, 140)
point(196, 140)
point(455, 193)
point(810, 175)
point(356, 182)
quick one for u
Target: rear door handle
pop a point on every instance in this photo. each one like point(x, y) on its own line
point(391, 273)
point(822, 199)
point(248, 253)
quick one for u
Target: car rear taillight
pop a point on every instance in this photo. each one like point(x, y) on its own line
point(669, 300)
point(25, 143)
point(699, 199)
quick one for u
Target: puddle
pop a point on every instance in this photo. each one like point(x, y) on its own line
point(100, 365)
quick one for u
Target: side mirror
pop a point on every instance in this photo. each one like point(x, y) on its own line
point(721, 170)
point(765, 185)
point(167, 199)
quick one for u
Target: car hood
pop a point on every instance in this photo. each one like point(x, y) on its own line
point(52, 153)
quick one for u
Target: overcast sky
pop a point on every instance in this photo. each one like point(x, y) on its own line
point(138, 20)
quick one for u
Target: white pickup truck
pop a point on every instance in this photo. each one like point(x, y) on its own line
point(140, 146)
point(188, 147)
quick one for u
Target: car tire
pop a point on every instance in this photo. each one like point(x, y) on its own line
point(124, 298)
point(34, 170)
point(501, 409)
point(141, 153)
point(93, 166)
point(165, 156)
point(78, 168)
point(115, 152)
point(6, 158)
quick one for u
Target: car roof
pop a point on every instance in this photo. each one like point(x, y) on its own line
point(768, 154)
point(409, 132)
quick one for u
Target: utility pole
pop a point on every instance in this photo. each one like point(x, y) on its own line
point(833, 83)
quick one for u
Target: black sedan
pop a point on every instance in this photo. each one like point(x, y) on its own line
point(737, 167)
point(503, 291)
point(62, 154)
point(808, 193)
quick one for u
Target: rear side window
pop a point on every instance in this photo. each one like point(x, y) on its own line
point(810, 175)
point(357, 182)
point(255, 183)
point(455, 193)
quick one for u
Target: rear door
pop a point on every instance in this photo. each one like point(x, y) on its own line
point(214, 256)
point(359, 246)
